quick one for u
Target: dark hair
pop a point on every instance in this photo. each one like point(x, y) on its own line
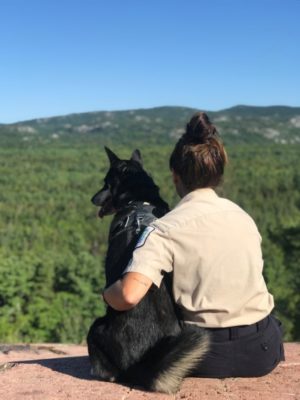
point(199, 156)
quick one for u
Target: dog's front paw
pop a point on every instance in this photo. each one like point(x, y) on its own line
point(95, 373)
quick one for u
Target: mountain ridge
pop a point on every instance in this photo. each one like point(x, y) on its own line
point(237, 107)
point(240, 123)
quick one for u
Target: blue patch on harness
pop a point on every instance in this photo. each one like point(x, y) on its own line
point(144, 236)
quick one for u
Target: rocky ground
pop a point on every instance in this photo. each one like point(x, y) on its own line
point(61, 372)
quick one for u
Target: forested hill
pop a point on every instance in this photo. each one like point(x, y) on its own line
point(53, 245)
point(240, 124)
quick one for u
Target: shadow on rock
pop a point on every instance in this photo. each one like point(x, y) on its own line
point(78, 367)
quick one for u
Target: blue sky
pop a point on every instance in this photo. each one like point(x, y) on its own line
point(63, 56)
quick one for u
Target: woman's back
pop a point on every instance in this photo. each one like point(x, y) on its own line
point(216, 261)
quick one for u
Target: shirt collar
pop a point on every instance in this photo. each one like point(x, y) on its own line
point(198, 194)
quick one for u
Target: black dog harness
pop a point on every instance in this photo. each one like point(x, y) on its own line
point(126, 228)
point(133, 219)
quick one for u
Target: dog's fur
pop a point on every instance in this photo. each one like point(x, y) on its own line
point(147, 345)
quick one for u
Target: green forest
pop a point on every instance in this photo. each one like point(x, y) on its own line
point(52, 243)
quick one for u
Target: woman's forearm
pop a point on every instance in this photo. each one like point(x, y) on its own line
point(126, 293)
point(114, 297)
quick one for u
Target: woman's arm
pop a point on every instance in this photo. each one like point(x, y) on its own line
point(127, 292)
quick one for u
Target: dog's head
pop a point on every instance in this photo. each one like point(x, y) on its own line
point(121, 178)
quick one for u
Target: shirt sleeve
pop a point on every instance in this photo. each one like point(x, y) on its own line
point(153, 254)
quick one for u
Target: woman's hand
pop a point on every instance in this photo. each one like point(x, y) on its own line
point(127, 292)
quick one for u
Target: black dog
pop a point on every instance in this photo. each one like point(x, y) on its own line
point(146, 345)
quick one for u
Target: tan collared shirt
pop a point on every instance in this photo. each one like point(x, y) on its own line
point(213, 248)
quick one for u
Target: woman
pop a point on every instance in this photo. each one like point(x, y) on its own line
point(213, 249)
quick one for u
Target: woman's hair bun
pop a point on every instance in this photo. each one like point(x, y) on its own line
point(199, 129)
point(199, 156)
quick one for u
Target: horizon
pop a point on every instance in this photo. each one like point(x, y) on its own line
point(61, 58)
point(148, 108)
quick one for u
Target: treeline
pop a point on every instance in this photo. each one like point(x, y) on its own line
point(52, 244)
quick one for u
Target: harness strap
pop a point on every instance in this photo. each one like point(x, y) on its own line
point(140, 215)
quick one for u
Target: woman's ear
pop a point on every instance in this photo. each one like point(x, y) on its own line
point(180, 188)
point(174, 176)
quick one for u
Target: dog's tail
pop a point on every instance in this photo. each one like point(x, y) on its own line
point(172, 359)
point(177, 360)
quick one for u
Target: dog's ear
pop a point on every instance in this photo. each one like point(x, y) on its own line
point(136, 156)
point(112, 157)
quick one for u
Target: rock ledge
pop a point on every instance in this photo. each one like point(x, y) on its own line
point(61, 372)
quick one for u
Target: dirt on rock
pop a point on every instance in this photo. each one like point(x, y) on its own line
point(61, 372)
